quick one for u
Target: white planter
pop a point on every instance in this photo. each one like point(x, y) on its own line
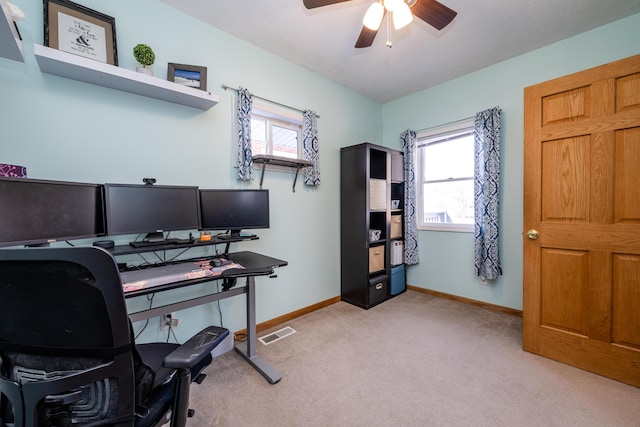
point(145, 70)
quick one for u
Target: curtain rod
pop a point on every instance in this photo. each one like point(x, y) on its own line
point(446, 124)
point(225, 87)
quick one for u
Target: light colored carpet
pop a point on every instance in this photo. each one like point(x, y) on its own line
point(415, 360)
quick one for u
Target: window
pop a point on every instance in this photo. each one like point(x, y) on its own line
point(445, 172)
point(275, 131)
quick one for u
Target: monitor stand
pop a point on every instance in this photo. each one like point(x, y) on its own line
point(153, 239)
point(233, 234)
point(38, 245)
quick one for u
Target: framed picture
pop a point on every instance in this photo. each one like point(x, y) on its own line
point(76, 29)
point(188, 75)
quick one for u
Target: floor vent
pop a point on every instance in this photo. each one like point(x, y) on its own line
point(277, 335)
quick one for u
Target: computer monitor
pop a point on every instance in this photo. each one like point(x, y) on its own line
point(38, 212)
point(151, 209)
point(234, 210)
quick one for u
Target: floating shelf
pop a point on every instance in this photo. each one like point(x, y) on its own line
point(296, 164)
point(10, 43)
point(63, 64)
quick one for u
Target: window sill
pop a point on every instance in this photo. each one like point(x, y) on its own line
point(455, 228)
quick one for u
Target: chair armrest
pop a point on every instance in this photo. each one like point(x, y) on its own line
point(196, 348)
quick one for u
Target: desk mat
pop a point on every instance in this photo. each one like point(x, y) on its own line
point(156, 276)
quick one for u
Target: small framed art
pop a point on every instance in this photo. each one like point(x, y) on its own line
point(76, 29)
point(188, 75)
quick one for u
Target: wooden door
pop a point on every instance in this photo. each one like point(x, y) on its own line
point(582, 220)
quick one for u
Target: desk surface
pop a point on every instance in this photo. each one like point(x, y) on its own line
point(179, 272)
point(254, 260)
point(255, 265)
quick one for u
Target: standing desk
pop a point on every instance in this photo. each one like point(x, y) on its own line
point(254, 264)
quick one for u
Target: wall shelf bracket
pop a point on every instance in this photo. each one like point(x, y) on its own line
point(296, 164)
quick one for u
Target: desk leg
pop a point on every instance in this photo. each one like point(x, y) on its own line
point(248, 348)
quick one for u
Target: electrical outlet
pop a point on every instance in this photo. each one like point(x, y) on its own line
point(170, 320)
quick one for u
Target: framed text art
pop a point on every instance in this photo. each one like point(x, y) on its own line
point(76, 29)
point(188, 75)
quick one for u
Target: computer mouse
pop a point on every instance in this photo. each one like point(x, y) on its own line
point(216, 262)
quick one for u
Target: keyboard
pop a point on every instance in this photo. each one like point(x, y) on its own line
point(172, 273)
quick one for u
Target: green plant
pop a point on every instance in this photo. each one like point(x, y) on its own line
point(144, 54)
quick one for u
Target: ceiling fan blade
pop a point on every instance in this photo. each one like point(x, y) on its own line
point(433, 13)
point(366, 37)
point(312, 4)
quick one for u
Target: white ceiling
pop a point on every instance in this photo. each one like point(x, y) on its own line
point(483, 33)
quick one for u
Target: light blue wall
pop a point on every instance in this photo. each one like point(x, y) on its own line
point(66, 130)
point(446, 259)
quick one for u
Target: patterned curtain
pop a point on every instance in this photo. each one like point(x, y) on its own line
point(244, 104)
point(487, 193)
point(310, 148)
point(408, 138)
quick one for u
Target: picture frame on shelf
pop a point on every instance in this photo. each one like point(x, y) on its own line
point(188, 75)
point(76, 29)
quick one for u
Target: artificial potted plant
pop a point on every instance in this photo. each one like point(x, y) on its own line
point(145, 57)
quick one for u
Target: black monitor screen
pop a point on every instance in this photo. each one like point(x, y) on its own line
point(234, 210)
point(134, 209)
point(35, 212)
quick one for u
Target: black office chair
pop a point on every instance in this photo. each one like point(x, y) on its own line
point(67, 356)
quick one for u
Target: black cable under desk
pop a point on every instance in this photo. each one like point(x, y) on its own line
point(254, 264)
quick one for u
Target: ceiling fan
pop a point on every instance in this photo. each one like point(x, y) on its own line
point(432, 12)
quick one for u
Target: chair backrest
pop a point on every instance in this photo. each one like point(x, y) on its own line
point(65, 341)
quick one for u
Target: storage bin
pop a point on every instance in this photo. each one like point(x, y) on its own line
point(376, 258)
point(397, 252)
point(377, 194)
point(397, 166)
point(378, 289)
point(396, 226)
point(398, 281)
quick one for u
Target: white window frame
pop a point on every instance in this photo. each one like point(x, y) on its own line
point(441, 132)
point(282, 117)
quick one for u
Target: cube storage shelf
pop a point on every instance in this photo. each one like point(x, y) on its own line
point(371, 179)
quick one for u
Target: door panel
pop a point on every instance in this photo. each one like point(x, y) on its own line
point(628, 92)
point(582, 195)
point(627, 182)
point(565, 179)
point(626, 300)
point(563, 306)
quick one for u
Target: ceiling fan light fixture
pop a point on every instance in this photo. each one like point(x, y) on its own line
point(393, 5)
point(402, 16)
point(373, 18)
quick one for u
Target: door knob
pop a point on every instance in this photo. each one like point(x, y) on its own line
point(532, 234)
